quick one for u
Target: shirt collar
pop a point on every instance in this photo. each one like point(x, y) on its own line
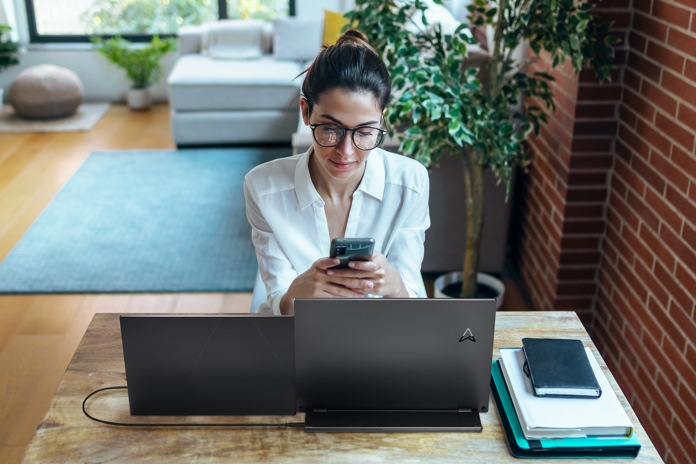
point(372, 182)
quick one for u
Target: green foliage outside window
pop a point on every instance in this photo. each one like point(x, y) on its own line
point(8, 49)
point(141, 63)
point(257, 9)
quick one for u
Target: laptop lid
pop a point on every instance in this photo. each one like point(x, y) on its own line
point(209, 364)
point(393, 354)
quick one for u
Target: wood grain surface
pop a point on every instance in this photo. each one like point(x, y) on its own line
point(66, 435)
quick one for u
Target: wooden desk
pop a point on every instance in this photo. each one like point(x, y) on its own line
point(66, 435)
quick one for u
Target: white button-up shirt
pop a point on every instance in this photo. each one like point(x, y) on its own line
point(290, 231)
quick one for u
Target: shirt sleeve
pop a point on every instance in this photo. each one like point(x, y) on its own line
point(277, 273)
point(406, 250)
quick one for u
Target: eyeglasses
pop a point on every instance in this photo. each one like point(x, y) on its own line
point(331, 135)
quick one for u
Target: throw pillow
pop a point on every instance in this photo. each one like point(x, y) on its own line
point(296, 38)
point(333, 22)
point(234, 39)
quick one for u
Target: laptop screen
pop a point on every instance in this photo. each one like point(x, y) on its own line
point(393, 354)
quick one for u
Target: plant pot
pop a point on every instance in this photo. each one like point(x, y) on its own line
point(139, 99)
point(449, 285)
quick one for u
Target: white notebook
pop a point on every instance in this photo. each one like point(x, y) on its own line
point(542, 417)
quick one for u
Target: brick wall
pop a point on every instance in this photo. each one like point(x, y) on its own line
point(645, 324)
point(607, 221)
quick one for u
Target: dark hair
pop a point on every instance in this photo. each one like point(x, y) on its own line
point(352, 64)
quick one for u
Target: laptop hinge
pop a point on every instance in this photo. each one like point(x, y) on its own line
point(320, 410)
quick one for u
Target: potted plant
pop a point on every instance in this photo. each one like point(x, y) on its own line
point(443, 105)
point(8, 52)
point(141, 63)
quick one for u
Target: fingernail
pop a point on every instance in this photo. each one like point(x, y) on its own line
point(330, 272)
point(369, 284)
point(351, 264)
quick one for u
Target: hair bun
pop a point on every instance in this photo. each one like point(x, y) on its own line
point(353, 36)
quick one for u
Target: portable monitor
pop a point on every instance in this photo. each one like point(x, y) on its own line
point(393, 364)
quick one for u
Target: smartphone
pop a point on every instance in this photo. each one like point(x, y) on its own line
point(351, 249)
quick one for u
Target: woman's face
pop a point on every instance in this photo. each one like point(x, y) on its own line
point(348, 109)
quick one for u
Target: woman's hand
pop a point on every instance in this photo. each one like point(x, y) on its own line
point(385, 279)
point(319, 282)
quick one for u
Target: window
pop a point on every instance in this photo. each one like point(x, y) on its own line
point(77, 20)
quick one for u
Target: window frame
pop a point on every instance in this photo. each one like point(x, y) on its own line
point(35, 37)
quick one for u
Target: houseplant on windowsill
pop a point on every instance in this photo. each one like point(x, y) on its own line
point(444, 106)
point(141, 63)
point(8, 53)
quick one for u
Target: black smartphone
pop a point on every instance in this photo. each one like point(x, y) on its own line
point(351, 249)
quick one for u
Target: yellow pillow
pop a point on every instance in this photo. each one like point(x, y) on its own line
point(333, 23)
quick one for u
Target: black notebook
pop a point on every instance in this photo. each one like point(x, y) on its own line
point(559, 367)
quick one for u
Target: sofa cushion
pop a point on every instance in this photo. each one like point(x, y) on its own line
point(296, 38)
point(233, 39)
point(199, 83)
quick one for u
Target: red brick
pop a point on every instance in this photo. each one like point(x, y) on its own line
point(659, 249)
point(665, 56)
point(689, 234)
point(583, 227)
point(637, 42)
point(644, 67)
point(654, 137)
point(639, 104)
point(667, 213)
point(573, 303)
point(590, 162)
point(648, 279)
point(691, 359)
point(584, 211)
point(687, 279)
point(672, 14)
point(649, 26)
point(637, 144)
point(629, 177)
point(685, 440)
point(588, 76)
point(679, 87)
point(646, 171)
point(644, 5)
point(669, 171)
point(577, 194)
point(675, 131)
point(681, 249)
point(657, 97)
point(591, 145)
point(684, 42)
point(571, 257)
point(627, 116)
point(575, 289)
point(690, 71)
point(687, 116)
point(595, 111)
point(673, 288)
point(675, 356)
point(683, 320)
point(636, 246)
point(587, 178)
point(602, 93)
point(684, 161)
point(625, 213)
point(617, 185)
point(579, 243)
point(681, 203)
point(568, 273)
point(632, 80)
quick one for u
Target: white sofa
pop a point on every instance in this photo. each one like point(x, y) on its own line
point(236, 82)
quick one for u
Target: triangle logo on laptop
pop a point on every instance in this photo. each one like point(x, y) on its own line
point(467, 335)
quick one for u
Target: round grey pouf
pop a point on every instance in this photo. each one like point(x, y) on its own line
point(45, 92)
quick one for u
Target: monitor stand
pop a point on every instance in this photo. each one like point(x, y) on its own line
point(392, 421)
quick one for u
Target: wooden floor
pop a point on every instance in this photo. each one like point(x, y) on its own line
point(39, 333)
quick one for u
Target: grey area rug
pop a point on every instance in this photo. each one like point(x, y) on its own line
point(143, 221)
point(84, 119)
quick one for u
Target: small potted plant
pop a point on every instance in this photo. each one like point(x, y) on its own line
point(483, 112)
point(8, 52)
point(141, 63)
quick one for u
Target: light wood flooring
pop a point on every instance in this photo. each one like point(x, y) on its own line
point(39, 333)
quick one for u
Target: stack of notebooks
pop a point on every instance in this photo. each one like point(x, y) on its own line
point(556, 402)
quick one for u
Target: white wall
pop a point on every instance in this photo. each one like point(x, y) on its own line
point(103, 81)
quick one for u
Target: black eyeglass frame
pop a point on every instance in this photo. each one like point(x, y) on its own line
point(382, 132)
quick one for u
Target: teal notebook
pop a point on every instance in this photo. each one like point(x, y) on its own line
point(520, 447)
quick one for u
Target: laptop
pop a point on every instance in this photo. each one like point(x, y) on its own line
point(393, 364)
point(236, 364)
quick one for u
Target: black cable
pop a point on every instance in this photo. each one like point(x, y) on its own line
point(134, 424)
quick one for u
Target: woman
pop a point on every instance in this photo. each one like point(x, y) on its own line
point(344, 186)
